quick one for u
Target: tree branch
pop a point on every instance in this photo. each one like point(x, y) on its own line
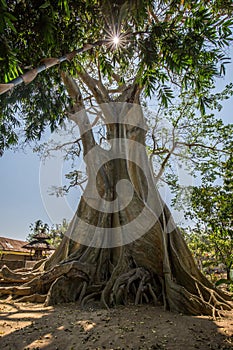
point(196, 144)
point(96, 87)
point(153, 15)
point(80, 116)
point(131, 94)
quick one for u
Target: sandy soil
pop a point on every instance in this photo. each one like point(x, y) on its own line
point(67, 327)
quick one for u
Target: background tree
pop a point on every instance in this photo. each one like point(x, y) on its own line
point(181, 137)
point(166, 48)
point(36, 228)
point(55, 232)
point(211, 208)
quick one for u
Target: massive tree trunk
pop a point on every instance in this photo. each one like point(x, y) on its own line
point(122, 245)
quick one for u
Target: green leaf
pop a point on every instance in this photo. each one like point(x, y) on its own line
point(45, 5)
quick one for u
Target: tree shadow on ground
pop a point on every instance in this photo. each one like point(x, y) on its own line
point(66, 327)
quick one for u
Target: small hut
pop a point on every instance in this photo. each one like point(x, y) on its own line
point(40, 246)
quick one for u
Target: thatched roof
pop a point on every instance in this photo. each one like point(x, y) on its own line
point(35, 244)
point(41, 236)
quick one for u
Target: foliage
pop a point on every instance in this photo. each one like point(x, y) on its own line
point(37, 228)
point(55, 232)
point(182, 142)
point(212, 207)
point(169, 46)
point(203, 248)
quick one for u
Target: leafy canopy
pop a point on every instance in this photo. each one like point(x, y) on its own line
point(169, 46)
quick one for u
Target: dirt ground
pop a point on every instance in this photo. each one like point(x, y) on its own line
point(25, 326)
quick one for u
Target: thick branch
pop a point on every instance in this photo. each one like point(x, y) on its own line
point(99, 92)
point(130, 94)
point(101, 86)
point(96, 87)
point(80, 116)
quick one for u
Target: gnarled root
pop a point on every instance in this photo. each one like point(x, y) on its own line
point(9, 276)
point(15, 290)
point(41, 282)
point(205, 301)
point(126, 282)
point(34, 298)
point(136, 285)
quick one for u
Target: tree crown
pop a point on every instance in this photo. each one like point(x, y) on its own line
point(166, 47)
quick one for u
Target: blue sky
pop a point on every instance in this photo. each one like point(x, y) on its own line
point(23, 181)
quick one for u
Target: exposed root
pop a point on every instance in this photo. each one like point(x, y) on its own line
point(106, 295)
point(34, 298)
point(88, 298)
point(74, 281)
point(69, 286)
point(152, 293)
point(10, 276)
point(22, 290)
point(181, 300)
point(83, 292)
point(134, 286)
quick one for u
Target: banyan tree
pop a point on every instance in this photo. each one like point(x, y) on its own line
point(122, 245)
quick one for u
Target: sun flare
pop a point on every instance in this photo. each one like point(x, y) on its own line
point(116, 40)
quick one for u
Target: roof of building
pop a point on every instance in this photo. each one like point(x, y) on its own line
point(39, 245)
point(14, 245)
point(41, 236)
